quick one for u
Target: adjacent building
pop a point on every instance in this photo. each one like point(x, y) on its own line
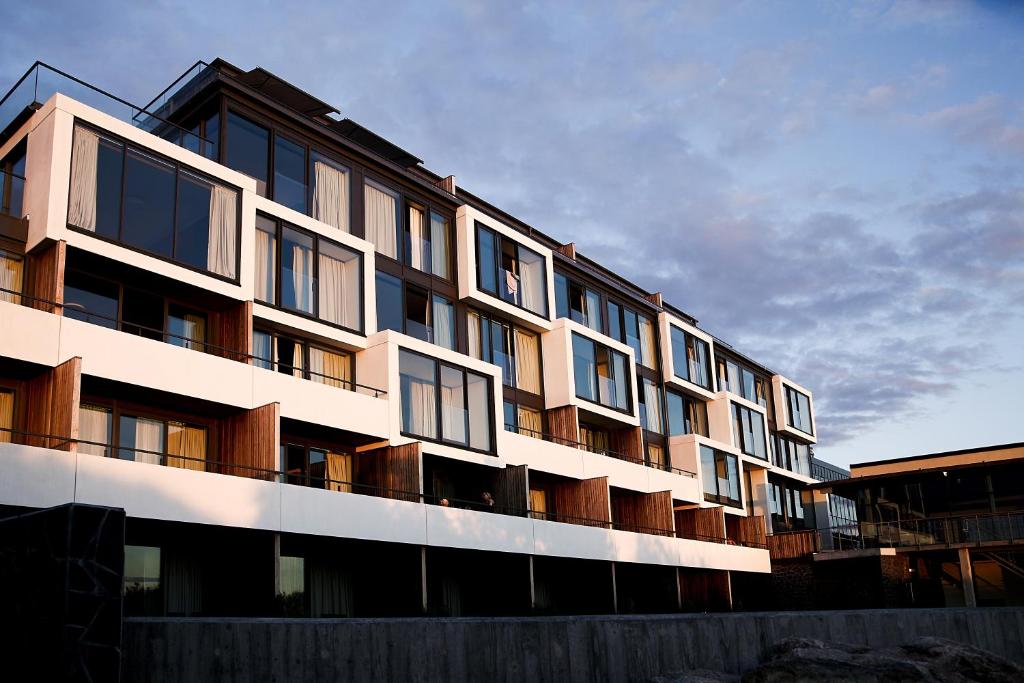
point(323, 380)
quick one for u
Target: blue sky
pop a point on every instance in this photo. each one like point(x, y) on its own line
point(836, 189)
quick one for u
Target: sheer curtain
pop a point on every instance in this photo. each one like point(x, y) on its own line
point(527, 362)
point(149, 437)
point(473, 332)
point(6, 415)
point(93, 425)
point(646, 343)
point(84, 167)
point(330, 368)
point(11, 275)
point(652, 403)
point(530, 420)
point(339, 287)
point(531, 275)
point(439, 238)
point(302, 277)
point(444, 323)
point(418, 244)
point(220, 254)
point(330, 195)
point(186, 446)
point(381, 219)
point(339, 472)
point(422, 407)
point(194, 331)
point(265, 270)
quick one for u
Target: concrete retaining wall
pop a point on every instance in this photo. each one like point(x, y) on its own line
point(513, 649)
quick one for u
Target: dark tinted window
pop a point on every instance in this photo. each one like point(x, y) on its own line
point(90, 299)
point(246, 149)
point(290, 174)
point(389, 302)
point(417, 315)
point(487, 266)
point(109, 161)
point(143, 314)
point(149, 204)
point(193, 239)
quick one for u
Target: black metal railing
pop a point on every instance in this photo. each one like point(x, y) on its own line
point(580, 445)
point(42, 81)
point(76, 312)
point(947, 532)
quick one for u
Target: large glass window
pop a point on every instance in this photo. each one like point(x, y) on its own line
point(381, 218)
point(514, 350)
point(686, 415)
point(649, 398)
point(389, 303)
point(12, 274)
point(720, 476)
point(742, 381)
point(331, 187)
point(691, 358)
point(142, 586)
point(799, 411)
point(298, 358)
point(247, 150)
point(577, 302)
point(748, 431)
point(601, 374)
point(308, 274)
point(289, 174)
point(511, 272)
point(158, 207)
point(792, 456)
point(462, 416)
point(635, 330)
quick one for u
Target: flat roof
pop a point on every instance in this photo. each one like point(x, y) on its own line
point(916, 458)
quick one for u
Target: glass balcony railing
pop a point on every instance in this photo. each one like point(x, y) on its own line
point(42, 81)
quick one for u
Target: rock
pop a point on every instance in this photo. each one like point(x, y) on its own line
point(696, 676)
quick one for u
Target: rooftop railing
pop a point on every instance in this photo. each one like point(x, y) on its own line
point(42, 81)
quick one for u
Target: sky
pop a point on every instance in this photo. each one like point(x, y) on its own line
point(836, 189)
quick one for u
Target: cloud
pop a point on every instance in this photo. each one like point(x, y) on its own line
point(986, 120)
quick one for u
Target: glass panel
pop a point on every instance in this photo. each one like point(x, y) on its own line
point(676, 415)
point(561, 296)
point(593, 311)
point(381, 218)
point(632, 332)
point(707, 471)
point(733, 478)
point(90, 299)
point(697, 417)
point(487, 267)
point(266, 260)
point(419, 404)
point(262, 350)
point(330, 192)
point(453, 406)
point(735, 386)
point(12, 271)
point(109, 167)
point(140, 439)
point(330, 367)
point(444, 322)
point(143, 314)
point(614, 321)
point(296, 270)
point(648, 343)
point(748, 385)
point(246, 149)
point(289, 359)
point(680, 362)
point(480, 402)
point(317, 467)
point(501, 351)
point(389, 302)
point(584, 363)
point(578, 303)
point(530, 421)
point(417, 240)
point(339, 288)
point(290, 174)
point(697, 359)
point(417, 314)
point(94, 425)
point(652, 403)
point(295, 463)
point(527, 357)
point(293, 586)
point(509, 410)
point(620, 377)
point(142, 596)
point(186, 328)
point(757, 435)
point(149, 204)
point(440, 241)
point(192, 241)
point(533, 283)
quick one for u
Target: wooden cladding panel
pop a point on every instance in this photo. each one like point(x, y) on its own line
point(510, 490)
point(393, 470)
point(583, 502)
point(629, 442)
point(701, 523)
point(705, 590)
point(232, 330)
point(793, 544)
point(643, 511)
point(746, 530)
point(564, 425)
point(52, 400)
point(45, 278)
point(249, 442)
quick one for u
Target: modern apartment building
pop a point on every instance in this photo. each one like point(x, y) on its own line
point(323, 380)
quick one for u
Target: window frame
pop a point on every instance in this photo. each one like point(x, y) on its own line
point(499, 240)
point(795, 395)
point(306, 344)
point(126, 408)
point(737, 425)
point(628, 410)
point(719, 497)
point(689, 338)
point(178, 168)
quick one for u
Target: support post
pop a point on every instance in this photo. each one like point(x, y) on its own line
point(967, 577)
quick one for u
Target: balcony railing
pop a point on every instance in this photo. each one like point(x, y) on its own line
point(76, 313)
point(544, 436)
point(42, 81)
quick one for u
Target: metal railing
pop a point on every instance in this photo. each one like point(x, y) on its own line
point(42, 81)
point(76, 312)
point(544, 436)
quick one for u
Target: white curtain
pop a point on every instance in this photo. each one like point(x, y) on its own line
point(652, 403)
point(531, 275)
point(381, 220)
point(422, 406)
point(646, 343)
point(527, 362)
point(418, 240)
point(265, 271)
point(339, 289)
point(93, 425)
point(530, 420)
point(220, 256)
point(149, 436)
point(473, 323)
point(439, 246)
point(330, 368)
point(302, 277)
point(453, 414)
point(84, 165)
point(443, 323)
point(330, 195)
point(11, 273)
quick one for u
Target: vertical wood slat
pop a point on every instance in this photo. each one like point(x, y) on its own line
point(52, 400)
point(510, 491)
point(705, 589)
point(644, 511)
point(393, 469)
point(629, 442)
point(702, 524)
point(793, 544)
point(583, 502)
point(746, 530)
point(45, 277)
point(232, 329)
point(250, 439)
point(564, 425)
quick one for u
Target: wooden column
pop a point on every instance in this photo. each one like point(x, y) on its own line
point(393, 469)
point(702, 524)
point(52, 400)
point(249, 442)
point(644, 511)
point(510, 491)
point(231, 329)
point(583, 502)
point(628, 441)
point(564, 425)
point(45, 277)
